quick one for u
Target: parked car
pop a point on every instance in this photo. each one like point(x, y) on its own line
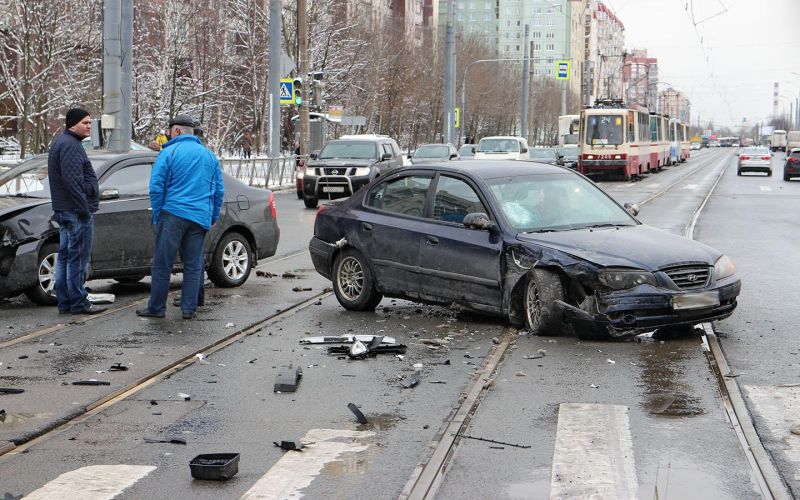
point(791, 167)
point(539, 244)
point(502, 148)
point(755, 159)
point(123, 237)
point(427, 153)
point(467, 151)
point(792, 140)
point(695, 146)
point(544, 155)
point(347, 164)
point(568, 156)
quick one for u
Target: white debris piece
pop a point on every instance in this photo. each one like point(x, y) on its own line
point(229, 325)
point(611, 361)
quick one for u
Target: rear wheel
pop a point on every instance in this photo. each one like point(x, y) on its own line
point(44, 292)
point(353, 282)
point(310, 201)
point(786, 177)
point(738, 172)
point(542, 315)
point(769, 173)
point(128, 279)
point(231, 262)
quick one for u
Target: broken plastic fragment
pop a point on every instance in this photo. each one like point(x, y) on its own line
point(229, 325)
point(287, 379)
point(184, 397)
point(290, 445)
point(611, 361)
point(91, 381)
point(594, 386)
point(357, 349)
point(359, 416)
point(410, 381)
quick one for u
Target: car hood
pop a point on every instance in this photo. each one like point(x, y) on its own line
point(341, 163)
point(14, 204)
point(641, 247)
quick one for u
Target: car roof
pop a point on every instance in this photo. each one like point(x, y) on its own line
point(491, 169)
point(504, 137)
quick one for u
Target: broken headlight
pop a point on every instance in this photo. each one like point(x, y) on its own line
point(618, 279)
point(724, 267)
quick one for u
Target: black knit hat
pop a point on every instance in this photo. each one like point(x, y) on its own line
point(183, 120)
point(74, 116)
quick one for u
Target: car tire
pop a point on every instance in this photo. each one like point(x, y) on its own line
point(786, 177)
point(739, 172)
point(542, 315)
point(299, 194)
point(353, 283)
point(769, 173)
point(310, 201)
point(129, 279)
point(44, 292)
point(231, 262)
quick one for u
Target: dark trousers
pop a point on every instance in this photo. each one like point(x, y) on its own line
point(246, 153)
point(74, 251)
point(176, 234)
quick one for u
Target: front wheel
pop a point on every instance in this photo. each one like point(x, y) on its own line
point(44, 291)
point(353, 282)
point(310, 201)
point(232, 261)
point(542, 316)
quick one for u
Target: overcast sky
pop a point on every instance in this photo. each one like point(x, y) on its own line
point(750, 44)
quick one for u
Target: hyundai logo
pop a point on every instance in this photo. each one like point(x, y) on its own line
point(692, 277)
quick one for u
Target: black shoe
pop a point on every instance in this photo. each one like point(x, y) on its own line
point(92, 309)
point(188, 315)
point(147, 313)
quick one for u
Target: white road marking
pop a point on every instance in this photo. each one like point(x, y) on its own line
point(95, 482)
point(593, 455)
point(693, 187)
point(295, 471)
point(765, 188)
point(779, 407)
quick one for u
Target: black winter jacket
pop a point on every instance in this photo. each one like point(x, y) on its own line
point(73, 183)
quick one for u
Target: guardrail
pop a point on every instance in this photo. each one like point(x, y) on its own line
point(264, 172)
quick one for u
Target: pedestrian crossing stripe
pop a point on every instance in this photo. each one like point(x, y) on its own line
point(95, 482)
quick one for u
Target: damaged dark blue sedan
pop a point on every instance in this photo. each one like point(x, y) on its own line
point(538, 244)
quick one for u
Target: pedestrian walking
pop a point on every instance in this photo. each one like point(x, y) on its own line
point(186, 194)
point(161, 139)
point(75, 198)
point(247, 145)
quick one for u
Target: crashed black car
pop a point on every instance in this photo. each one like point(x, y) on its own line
point(539, 244)
point(123, 235)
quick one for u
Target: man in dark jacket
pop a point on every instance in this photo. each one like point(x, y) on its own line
point(75, 196)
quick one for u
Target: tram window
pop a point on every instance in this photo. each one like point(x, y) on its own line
point(604, 129)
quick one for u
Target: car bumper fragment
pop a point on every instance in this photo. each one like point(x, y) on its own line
point(18, 268)
point(322, 254)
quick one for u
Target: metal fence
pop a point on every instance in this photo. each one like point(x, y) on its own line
point(265, 172)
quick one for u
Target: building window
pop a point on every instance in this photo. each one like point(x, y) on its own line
point(549, 71)
point(537, 46)
point(537, 22)
point(551, 23)
point(517, 48)
point(550, 47)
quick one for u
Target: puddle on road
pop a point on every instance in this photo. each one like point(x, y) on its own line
point(380, 422)
point(684, 483)
point(667, 391)
point(673, 405)
point(348, 464)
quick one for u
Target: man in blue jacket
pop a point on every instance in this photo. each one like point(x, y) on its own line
point(75, 197)
point(186, 194)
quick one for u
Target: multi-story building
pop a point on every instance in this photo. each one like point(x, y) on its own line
point(675, 104)
point(640, 77)
point(419, 17)
point(605, 40)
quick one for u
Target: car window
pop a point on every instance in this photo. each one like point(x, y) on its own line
point(454, 200)
point(348, 150)
point(401, 195)
point(387, 148)
point(133, 180)
point(432, 151)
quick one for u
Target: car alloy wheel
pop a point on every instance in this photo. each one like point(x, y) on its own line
point(235, 260)
point(351, 278)
point(232, 261)
point(44, 291)
point(47, 274)
point(353, 283)
point(542, 290)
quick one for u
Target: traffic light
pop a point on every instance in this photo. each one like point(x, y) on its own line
point(317, 88)
point(297, 90)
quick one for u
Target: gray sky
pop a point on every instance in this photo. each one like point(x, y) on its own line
point(749, 47)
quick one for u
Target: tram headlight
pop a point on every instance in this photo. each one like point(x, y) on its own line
point(724, 267)
point(622, 279)
point(590, 157)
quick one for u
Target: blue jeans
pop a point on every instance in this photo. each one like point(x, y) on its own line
point(74, 252)
point(175, 234)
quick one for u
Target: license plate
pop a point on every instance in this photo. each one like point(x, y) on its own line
point(333, 189)
point(695, 300)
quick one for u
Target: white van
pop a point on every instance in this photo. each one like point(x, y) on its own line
point(778, 140)
point(792, 140)
point(502, 147)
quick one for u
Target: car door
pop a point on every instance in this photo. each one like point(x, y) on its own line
point(457, 263)
point(123, 235)
point(389, 231)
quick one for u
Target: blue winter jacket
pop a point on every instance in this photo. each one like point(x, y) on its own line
point(73, 183)
point(186, 181)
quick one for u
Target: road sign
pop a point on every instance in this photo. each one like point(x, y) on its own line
point(287, 96)
point(458, 118)
point(562, 70)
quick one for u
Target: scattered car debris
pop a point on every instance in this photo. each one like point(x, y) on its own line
point(359, 349)
point(290, 275)
point(359, 416)
point(201, 358)
point(438, 382)
point(101, 298)
point(532, 356)
point(287, 379)
point(175, 440)
point(410, 381)
point(435, 342)
point(91, 381)
point(290, 445)
point(795, 429)
point(465, 436)
point(611, 361)
point(24, 356)
point(252, 361)
point(118, 367)
point(184, 397)
point(346, 339)
point(11, 390)
point(594, 386)
point(521, 374)
point(301, 289)
point(215, 466)
point(265, 274)
point(229, 325)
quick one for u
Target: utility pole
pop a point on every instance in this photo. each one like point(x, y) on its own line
point(117, 65)
point(302, 69)
point(526, 85)
point(449, 104)
point(275, 30)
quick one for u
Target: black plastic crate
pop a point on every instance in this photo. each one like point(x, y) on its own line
point(215, 466)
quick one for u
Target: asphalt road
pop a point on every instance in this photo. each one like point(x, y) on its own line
point(657, 399)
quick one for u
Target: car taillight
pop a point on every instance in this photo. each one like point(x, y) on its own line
point(321, 209)
point(744, 157)
point(272, 209)
point(766, 157)
point(791, 159)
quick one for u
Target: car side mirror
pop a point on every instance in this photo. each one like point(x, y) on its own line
point(453, 156)
point(523, 150)
point(409, 155)
point(313, 156)
point(632, 208)
point(386, 156)
point(109, 194)
point(479, 220)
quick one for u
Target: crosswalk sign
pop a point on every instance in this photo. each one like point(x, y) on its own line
point(562, 70)
point(287, 96)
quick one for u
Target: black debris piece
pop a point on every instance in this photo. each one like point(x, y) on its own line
point(492, 441)
point(290, 445)
point(532, 356)
point(118, 367)
point(446, 362)
point(11, 496)
point(287, 379)
point(91, 382)
point(11, 390)
point(169, 441)
point(360, 418)
point(381, 349)
point(301, 289)
point(265, 274)
point(154, 402)
point(252, 361)
point(2, 415)
point(215, 466)
point(42, 351)
point(24, 356)
point(410, 381)
point(438, 381)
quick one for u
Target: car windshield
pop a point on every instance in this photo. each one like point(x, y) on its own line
point(541, 203)
point(347, 150)
point(543, 153)
point(432, 151)
point(27, 180)
point(604, 130)
point(498, 146)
